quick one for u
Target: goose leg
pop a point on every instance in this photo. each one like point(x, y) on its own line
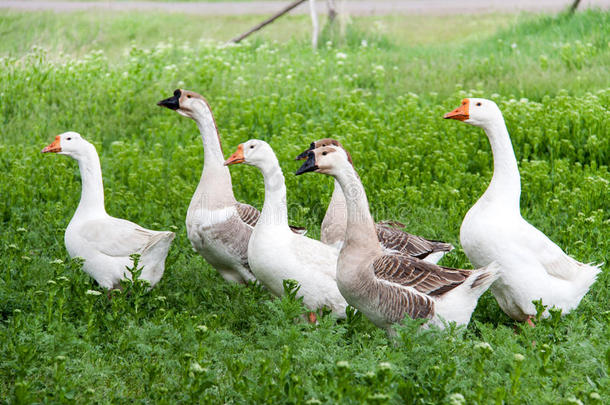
point(529, 321)
point(312, 318)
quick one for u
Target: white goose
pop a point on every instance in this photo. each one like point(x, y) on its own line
point(392, 239)
point(105, 242)
point(217, 225)
point(275, 253)
point(388, 287)
point(533, 267)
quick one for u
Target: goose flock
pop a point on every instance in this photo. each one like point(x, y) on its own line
point(376, 267)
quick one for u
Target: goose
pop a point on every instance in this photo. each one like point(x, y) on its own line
point(388, 287)
point(217, 225)
point(533, 267)
point(275, 253)
point(104, 242)
point(393, 240)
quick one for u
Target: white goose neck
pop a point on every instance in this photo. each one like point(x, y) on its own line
point(92, 193)
point(215, 187)
point(275, 210)
point(505, 186)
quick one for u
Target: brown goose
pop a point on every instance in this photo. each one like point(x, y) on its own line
point(217, 225)
point(388, 287)
point(391, 234)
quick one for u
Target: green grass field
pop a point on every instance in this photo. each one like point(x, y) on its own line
point(382, 90)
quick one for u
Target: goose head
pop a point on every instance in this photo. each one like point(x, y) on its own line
point(479, 112)
point(185, 102)
point(69, 143)
point(326, 142)
point(253, 152)
point(326, 160)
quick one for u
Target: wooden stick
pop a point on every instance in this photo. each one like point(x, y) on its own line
point(268, 21)
point(574, 6)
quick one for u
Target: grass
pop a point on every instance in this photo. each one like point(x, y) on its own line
point(195, 338)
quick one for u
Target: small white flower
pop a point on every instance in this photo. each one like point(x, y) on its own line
point(202, 328)
point(484, 347)
point(341, 55)
point(93, 292)
point(343, 364)
point(457, 399)
point(519, 357)
point(385, 365)
point(196, 367)
point(513, 45)
point(364, 43)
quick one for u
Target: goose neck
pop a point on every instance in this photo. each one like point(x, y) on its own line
point(92, 193)
point(336, 213)
point(505, 185)
point(215, 185)
point(360, 235)
point(275, 209)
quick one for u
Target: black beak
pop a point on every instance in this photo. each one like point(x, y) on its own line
point(303, 155)
point(173, 103)
point(309, 165)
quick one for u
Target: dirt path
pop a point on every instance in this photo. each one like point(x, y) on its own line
point(353, 7)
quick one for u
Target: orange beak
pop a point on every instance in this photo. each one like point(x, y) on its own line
point(53, 147)
point(237, 157)
point(460, 113)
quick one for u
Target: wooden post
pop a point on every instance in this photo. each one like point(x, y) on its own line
point(268, 21)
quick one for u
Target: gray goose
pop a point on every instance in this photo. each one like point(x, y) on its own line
point(217, 225)
point(388, 287)
point(391, 234)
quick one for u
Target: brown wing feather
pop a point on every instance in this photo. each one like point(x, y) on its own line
point(248, 213)
point(426, 278)
point(406, 243)
point(396, 302)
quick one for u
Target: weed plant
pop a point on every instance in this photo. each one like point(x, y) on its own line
point(195, 338)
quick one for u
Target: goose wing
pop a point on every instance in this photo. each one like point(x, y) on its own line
point(248, 213)
point(412, 245)
point(116, 237)
point(396, 301)
point(555, 261)
point(426, 278)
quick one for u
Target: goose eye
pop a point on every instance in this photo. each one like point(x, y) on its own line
point(251, 146)
point(479, 104)
point(67, 139)
point(324, 153)
point(188, 96)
